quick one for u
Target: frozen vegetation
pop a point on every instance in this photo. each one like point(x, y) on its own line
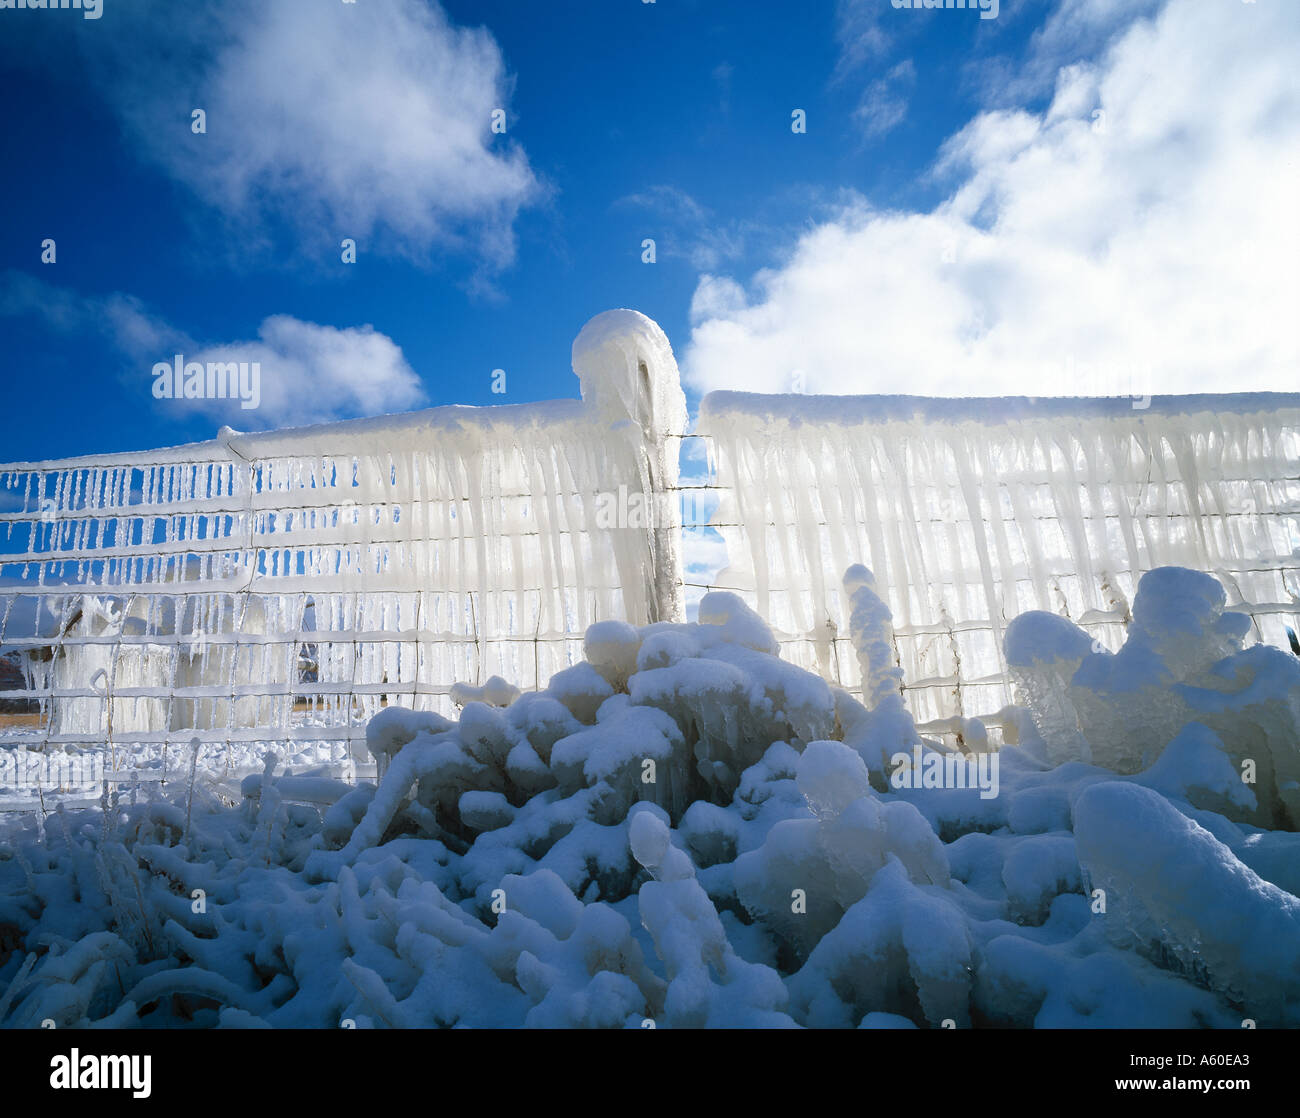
point(685, 830)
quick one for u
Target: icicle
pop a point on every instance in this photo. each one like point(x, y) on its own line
point(1012, 507)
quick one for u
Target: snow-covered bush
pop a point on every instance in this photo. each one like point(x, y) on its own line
point(1179, 891)
point(809, 871)
point(684, 830)
point(1183, 662)
point(883, 726)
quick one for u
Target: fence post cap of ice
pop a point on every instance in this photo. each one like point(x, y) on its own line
point(627, 370)
point(226, 436)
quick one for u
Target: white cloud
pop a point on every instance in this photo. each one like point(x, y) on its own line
point(308, 373)
point(686, 230)
point(122, 321)
point(312, 374)
point(370, 121)
point(883, 104)
point(864, 44)
point(716, 297)
point(723, 73)
point(1140, 233)
point(860, 31)
point(1073, 29)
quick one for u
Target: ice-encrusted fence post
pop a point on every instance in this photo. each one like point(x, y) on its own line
point(630, 380)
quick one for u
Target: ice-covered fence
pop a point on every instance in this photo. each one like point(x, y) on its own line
point(201, 590)
point(392, 557)
point(972, 511)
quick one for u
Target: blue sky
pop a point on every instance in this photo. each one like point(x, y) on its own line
point(978, 206)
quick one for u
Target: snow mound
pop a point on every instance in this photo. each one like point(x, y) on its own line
point(685, 830)
point(1183, 663)
point(1173, 889)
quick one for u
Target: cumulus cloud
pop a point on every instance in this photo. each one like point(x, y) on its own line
point(312, 373)
point(308, 373)
point(1073, 29)
point(1138, 234)
point(370, 121)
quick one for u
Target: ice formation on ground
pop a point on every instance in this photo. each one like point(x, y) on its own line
point(1183, 663)
point(684, 830)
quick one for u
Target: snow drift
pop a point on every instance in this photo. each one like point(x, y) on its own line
point(684, 830)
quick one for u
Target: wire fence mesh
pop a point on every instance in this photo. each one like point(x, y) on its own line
point(233, 596)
